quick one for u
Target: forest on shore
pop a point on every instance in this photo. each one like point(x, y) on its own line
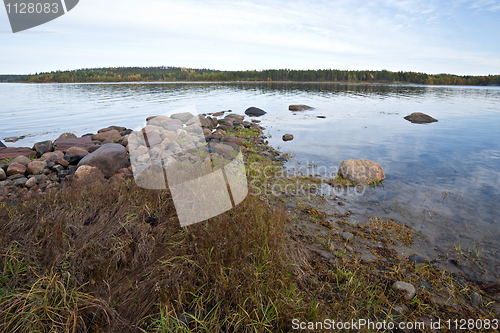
point(176, 74)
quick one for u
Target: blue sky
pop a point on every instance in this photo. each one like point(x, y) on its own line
point(460, 37)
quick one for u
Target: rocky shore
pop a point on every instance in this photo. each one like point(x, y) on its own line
point(382, 258)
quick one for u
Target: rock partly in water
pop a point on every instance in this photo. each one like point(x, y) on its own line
point(109, 158)
point(420, 118)
point(1, 144)
point(66, 135)
point(322, 117)
point(361, 171)
point(287, 137)
point(299, 107)
point(111, 128)
point(407, 288)
point(43, 147)
point(255, 112)
point(184, 116)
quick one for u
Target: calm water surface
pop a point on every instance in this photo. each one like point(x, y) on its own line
point(442, 178)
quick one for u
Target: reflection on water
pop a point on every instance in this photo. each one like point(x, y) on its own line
point(442, 177)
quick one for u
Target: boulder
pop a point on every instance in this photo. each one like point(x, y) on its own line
point(222, 148)
point(287, 137)
point(77, 151)
point(43, 147)
point(83, 142)
point(407, 289)
point(235, 117)
point(108, 135)
point(87, 175)
point(109, 158)
point(53, 156)
point(37, 167)
point(66, 135)
point(163, 121)
point(299, 107)
point(361, 171)
point(255, 112)
point(111, 128)
point(420, 118)
point(16, 169)
point(21, 160)
point(13, 152)
point(2, 175)
point(184, 116)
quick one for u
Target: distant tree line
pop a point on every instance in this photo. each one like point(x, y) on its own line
point(173, 74)
point(10, 77)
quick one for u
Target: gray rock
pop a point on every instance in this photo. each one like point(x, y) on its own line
point(361, 171)
point(291, 205)
point(184, 116)
point(58, 168)
point(255, 112)
point(1, 144)
point(347, 236)
point(43, 147)
point(299, 107)
point(425, 285)
point(23, 160)
point(400, 309)
point(420, 118)
point(3, 176)
point(416, 259)
point(476, 299)
point(322, 117)
point(407, 288)
point(7, 182)
point(287, 137)
point(74, 159)
point(20, 181)
point(109, 158)
point(31, 182)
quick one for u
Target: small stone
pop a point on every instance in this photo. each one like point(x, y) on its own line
point(299, 107)
point(74, 159)
point(425, 285)
point(15, 168)
point(58, 168)
point(416, 259)
point(62, 162)
point(21, 160)
point(323, 117)
point(110, 128)
point(7, 182)
point(52, 157)
point(407, 288)
point(400, 309)
point(347, 236)
point(287, 137)
point(368, 231)
point(31, 182)
point(291, 205)
point(2, 174)
point(476, 299)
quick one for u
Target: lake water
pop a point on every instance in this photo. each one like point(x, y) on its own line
point(442, 178)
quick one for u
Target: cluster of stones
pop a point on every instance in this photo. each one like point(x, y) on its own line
point(104, 157)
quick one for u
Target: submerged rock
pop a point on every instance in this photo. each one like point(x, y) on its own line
point(361, 171)
point(420, 118)
point(255, 112)
point(299, 107)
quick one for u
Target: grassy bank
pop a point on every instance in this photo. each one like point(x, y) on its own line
point(115, 259)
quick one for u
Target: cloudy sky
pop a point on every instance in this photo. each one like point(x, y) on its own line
point(433, 36)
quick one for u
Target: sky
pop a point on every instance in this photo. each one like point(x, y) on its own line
point(432, 36)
